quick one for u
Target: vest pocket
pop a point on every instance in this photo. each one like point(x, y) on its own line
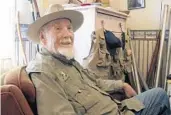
point(132, 104)
point(82, 96)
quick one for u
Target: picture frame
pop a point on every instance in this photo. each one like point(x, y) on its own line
point(136, 4)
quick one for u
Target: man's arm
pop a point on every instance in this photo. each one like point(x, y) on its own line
point(110, 85)
point(104, 84)
point(115, 85)
point(51, 98)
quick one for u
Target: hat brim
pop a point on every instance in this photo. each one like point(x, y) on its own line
point(75, 17)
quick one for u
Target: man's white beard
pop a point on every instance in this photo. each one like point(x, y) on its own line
point(67, 52)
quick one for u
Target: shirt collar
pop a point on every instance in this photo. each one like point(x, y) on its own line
point(60, 57)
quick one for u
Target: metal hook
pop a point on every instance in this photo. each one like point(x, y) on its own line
point(102, 24)
point(120, 25)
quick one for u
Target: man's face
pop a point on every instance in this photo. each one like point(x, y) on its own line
point(58, 37)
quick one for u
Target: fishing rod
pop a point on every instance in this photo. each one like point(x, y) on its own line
point(35, 13)
point(20, 37)
point(161, 44)
point(168, 51)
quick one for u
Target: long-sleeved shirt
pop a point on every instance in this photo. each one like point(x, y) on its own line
point(64, 88)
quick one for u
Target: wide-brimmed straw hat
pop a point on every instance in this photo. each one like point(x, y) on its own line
point(54, 12)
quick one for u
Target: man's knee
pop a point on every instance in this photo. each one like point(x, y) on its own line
point(159, 93)
point(159, 90)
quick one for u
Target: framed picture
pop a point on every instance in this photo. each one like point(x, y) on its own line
point(136, 4)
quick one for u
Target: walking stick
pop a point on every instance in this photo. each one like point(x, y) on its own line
point(20, 38)
point(161, 45)
point(168, 51)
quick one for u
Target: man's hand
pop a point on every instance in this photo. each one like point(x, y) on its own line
point(129, 91)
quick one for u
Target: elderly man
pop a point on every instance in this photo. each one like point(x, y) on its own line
point(63, 87)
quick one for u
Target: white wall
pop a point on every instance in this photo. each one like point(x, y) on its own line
point(24, 9)
point(140, 19)
point(43, 4)
point(145, 18)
